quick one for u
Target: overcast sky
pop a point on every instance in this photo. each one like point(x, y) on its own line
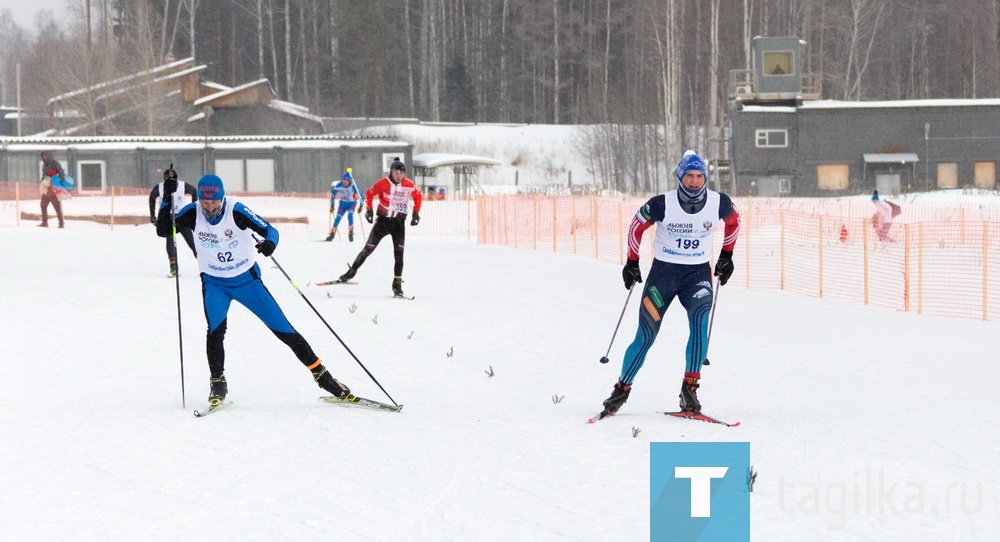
point(24, 11)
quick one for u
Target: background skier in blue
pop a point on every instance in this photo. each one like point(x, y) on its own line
point(347, 192)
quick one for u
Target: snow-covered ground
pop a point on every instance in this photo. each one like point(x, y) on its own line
point(864, 423)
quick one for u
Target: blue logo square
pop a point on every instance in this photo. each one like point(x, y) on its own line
point(698, 491)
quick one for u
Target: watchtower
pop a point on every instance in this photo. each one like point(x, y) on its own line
point(777, 76)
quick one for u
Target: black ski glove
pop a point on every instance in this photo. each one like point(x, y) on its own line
point(368, 216)
point(416, 219)
point(631, 273)
point(152, 219)
point(169, 185)
point(724, 267)
point(266, 248)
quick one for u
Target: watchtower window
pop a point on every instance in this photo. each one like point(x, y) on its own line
point(779, 63)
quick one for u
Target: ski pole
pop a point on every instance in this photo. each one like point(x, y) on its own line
point(177, 283)
point(711, 319)
point(306, 299)
point(605, 359)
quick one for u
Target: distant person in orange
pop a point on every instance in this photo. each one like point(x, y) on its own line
point(885, 211)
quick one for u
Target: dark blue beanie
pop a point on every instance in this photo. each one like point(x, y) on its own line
point(210, 188)
point(691, 162)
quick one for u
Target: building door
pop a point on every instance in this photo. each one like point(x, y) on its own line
point(231, 173)
point(260, 175)
point(888, 183)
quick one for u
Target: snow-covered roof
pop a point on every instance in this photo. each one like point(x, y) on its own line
point(441, 159)
point(889, 104)
point(35, 143)
point(230, 91)
point(893, 157)
point(120, 80)
point(293, 109)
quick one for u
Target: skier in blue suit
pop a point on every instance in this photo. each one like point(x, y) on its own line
point(347, 192)
point(224, 230)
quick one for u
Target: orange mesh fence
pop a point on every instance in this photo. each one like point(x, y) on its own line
point(935, 258)
point(293, 212)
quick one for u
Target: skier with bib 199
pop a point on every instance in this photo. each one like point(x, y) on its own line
point(224, 230)
point(394, 194)
point(686, 220)
point(347, 192)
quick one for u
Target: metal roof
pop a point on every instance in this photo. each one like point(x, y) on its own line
point(901, 157)
point(433, 160)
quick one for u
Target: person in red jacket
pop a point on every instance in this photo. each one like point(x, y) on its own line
point(394, 194)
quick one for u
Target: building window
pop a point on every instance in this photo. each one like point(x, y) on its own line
point(90, 175)
point(779, 63)
point(772, 139)
point(833, 176)
point(947, 175)
point(986, 175)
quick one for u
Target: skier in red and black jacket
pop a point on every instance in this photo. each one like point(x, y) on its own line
point(394, 194)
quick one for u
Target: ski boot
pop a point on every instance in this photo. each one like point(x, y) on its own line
point(350, 235)
point(689, 394)
point(329, 238)
point(329, 383)
point(218, 392)
point(173, 267)
point(347, 276)
point(397, 286)
point(618, 397)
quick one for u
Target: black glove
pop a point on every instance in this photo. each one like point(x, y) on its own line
point(265, 247)
point(169, 185)
point(170, 174)
point(152, 219)
point(368, 216)
point(724, 267)
point(416, 219)
point(631, 273)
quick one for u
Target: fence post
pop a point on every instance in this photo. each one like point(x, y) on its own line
point(621, 237)
point(17, 201)
point(747, 244)
point(574, 227)
point(821, 256)
point(111, 222)
point(907, 271)
point(555, 224)
point(864, 237)
point(781, 214)
point(986, 270)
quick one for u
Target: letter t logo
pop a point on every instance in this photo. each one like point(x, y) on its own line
point(701, 487)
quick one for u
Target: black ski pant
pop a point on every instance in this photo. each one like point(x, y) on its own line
point(172, 246)
point(394, 226)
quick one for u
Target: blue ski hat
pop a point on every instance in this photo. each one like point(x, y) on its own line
point(691, 162)
point(210, 188)
point(875, 196)
point(347, 176)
